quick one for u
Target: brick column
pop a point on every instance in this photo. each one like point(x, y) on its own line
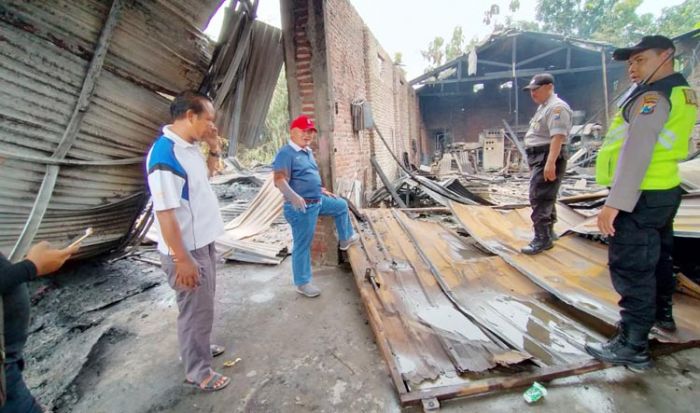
point(308, 80)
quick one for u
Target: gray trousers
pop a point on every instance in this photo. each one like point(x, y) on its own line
point(196, 313)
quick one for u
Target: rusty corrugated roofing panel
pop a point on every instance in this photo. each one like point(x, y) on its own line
point(434, 301)
point(575, 270)
point(498, 297)
point(685, 224)
point(45, 54)
point(261, 212)
point(157, 43)
point(429, 337)
point(687, 220)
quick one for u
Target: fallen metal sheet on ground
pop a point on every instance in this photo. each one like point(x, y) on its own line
point(249, 251)
point(687, 220)
point(498, 297)
point(261, 213)
point(584, 197)
point(442, 311)
point(234, 171)
point(690, 174)
point(685, 224)
point(238, 207)
point(454, 185)
point(575, 270)
point(429, 336)
point(263, 210)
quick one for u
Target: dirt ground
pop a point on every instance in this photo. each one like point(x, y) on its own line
point(104, 340)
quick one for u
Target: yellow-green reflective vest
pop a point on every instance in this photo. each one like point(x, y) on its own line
point(671, 145)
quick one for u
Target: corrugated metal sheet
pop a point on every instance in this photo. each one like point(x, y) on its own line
point(429, 337)
point(690, 174)
point(243, 77)
point(685, 224)
point(157, 43)
point(46, 50)
point(262, 211)
point(442, 310)
point(575, 270)
point(687, 221)
point(257, 217)
point(498, 297)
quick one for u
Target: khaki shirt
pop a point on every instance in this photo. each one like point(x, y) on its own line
point(553, 117)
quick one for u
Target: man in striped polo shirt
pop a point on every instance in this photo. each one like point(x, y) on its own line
point(188, 221)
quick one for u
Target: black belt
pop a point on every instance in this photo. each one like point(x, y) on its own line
point(537, 149)
point(312, 201)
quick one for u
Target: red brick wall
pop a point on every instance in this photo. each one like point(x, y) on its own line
point(361, 69)
point(345, 42)
point(332, 60)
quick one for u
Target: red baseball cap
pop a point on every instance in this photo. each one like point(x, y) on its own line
point(304, 123)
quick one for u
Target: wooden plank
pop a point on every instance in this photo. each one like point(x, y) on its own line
point(359, 265)
point(494, 385)
point(486, 386)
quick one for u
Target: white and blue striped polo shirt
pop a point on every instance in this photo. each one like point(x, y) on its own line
point(178, 179)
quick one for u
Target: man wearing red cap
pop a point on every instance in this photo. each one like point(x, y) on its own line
point(296, 176)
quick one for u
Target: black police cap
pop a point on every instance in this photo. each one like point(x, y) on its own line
point(539, 80)
point(647, 42)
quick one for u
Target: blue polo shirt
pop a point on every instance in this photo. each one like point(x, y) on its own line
point(301, 168)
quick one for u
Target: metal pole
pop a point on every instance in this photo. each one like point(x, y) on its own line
point(515, 84)
point(605, 87)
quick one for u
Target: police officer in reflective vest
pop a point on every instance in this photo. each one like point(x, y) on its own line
point(639, 163)
point(544, 144)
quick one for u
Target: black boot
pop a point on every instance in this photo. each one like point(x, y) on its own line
point(553, 234)
point(664, 314)
point(629, 347)
point(541, 242)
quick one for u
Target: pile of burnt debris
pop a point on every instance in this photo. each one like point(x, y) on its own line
point(464, 174)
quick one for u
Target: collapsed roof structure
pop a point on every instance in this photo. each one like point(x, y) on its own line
point(88, 87)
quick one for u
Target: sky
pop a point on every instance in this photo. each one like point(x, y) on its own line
point(407, 26)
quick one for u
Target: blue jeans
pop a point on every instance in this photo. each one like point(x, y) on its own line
point(19, 399)
point(303, 227)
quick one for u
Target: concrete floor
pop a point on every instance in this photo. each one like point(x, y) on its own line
point(303, 355)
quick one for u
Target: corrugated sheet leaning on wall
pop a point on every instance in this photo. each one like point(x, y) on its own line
point(80, 102)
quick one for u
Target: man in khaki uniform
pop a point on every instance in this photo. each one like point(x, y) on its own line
point(544, 144)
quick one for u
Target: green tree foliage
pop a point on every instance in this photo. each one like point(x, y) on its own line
point(398, 62)
point(491, 17)
point(679, 19)
point(614, 21)
point(455, 47)
point(434, 54)
point(276, 130)
point(622, 25)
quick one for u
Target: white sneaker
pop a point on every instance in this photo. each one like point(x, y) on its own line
point(345, 245)
point(308, 290)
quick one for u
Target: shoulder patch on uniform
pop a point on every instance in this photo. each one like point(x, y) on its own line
point(690, 97)
point(649, 104)
point(556, 112)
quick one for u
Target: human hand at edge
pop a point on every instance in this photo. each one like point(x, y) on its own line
point(47, 259)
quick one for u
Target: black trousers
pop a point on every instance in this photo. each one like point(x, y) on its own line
point(639, 256)
point(543, 194)
point(19, 399)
